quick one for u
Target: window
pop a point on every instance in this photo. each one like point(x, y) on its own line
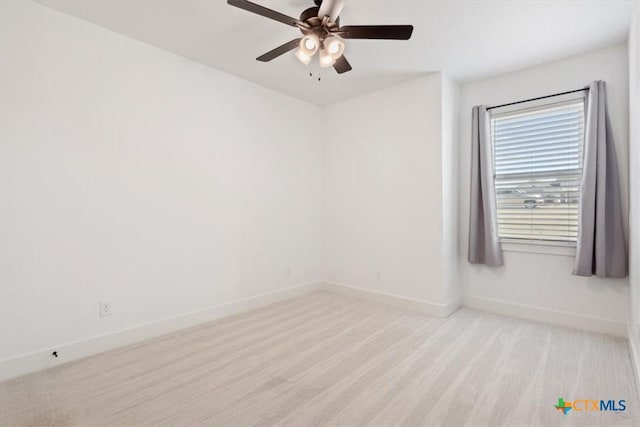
point(538, 165)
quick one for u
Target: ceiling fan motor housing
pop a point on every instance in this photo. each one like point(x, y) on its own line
point(307, 14)
point(317, 26)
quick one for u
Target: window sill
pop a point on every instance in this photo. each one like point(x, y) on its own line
point(539, 248)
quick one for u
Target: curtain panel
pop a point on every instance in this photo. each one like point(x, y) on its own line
point(484, 243)
point(601, 248)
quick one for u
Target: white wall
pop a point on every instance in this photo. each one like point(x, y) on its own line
point(136, 176)
point(450, 187)
point(384, 223)
point(634, 190)
point(540, 281)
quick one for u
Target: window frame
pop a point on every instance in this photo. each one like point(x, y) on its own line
point(541, 246)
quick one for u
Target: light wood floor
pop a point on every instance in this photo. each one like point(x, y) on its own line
point(326, 359)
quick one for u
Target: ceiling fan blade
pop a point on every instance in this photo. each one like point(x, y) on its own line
point(280, 50)
point(342, 65)
point(331, 8)
point(388, 32)
point(263, 11)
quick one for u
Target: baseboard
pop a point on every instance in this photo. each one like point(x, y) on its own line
point(544, 315)
point(430, 308)
point(36, 361)
point(634, 352)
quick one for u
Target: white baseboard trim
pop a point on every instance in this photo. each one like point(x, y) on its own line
point(430, 308)
point(545, 315)
point(39, 360)
point(634, 352)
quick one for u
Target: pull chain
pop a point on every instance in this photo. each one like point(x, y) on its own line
point(315, 72)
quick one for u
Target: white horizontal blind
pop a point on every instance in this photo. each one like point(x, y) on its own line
point(538, 167)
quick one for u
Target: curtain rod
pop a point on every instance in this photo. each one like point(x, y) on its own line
point(540, 97)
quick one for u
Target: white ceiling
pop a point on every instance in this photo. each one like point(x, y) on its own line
point(468, 40)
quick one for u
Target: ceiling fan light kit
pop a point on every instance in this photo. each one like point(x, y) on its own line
point(332, 50)
point(320, 26)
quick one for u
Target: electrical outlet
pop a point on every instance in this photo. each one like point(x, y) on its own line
point(105, 308)
point(379, 275)
point(288, 273)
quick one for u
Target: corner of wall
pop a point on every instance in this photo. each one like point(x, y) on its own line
point(634, 200)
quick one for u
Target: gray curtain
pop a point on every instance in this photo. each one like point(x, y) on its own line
point(484, 243)
point(601, 246)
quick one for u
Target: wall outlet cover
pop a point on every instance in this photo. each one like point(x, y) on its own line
point(105, 308)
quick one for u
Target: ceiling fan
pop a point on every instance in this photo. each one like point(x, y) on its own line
point(320, 26)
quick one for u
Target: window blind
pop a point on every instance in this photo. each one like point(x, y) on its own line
point(538, 167)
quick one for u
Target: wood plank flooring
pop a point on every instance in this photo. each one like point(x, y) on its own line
point(327, 359)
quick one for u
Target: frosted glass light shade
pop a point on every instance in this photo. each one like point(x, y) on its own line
point(309, 44)
point(326, 60)
point(334, 46)
point(303, 57)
